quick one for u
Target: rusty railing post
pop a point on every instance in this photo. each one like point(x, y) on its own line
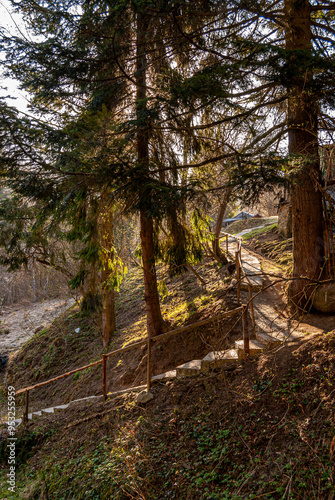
point(238, 276)
point(245, 326)
point(252, 307)
point(104, 376)
point(149, 364)
point(26, 407)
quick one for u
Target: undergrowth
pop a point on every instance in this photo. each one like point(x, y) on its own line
point(259, 231)
point(263, 431)
point(268, 242)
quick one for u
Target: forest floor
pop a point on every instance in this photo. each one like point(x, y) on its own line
point(74, 340)
point(263, 430)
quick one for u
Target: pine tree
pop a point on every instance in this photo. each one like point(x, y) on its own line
point(93, 79)
point(163, 73)
point(267, 69)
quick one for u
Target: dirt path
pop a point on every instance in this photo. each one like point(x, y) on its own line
point(19, 323)
point(271, 313)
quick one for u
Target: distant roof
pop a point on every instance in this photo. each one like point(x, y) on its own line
point(243, 215)
point(240, 216)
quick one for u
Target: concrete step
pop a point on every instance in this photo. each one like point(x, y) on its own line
point(255, 347)
point(139, 388)
point(268, 341)
point(189, 369)
point(256, 283)
point(220, 359)
point(87, 398)
point(47, 410)
point(60, 407)
point(34, 414)
point(164, 376)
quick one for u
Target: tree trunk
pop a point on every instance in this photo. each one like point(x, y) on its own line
point(218, 226)
point(106, 225)
point(154, 317)
point(308, 248)
point(108, 311)
point(155, 324)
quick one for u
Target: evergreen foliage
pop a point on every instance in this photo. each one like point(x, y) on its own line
point(144, 98)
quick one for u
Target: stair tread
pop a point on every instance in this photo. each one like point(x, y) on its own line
point(253, 344)
point(85, 399)
point(48, 410)
point(267, 339)
point(123, 391)
point(229, 354)
point(194, 364)
point(165, 376)
point(189, 369)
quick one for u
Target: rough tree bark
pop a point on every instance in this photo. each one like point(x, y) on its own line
point(155, 324)
point(218, 226)
point(108, 294)
point(308, 248)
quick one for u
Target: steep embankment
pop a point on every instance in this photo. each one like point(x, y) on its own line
point(263, 431)
point(19, 322)
point(73, 340)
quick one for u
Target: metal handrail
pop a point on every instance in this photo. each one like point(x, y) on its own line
point(150, 340)
point(103, 361)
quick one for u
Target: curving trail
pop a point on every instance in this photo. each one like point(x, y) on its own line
point(270, 305)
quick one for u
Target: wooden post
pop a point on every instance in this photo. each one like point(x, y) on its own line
point(149, 364)
point(227, 243)
point(245, 327)
point(26, 406)
point(104, 376)
point(238, 276)
point(252, 307)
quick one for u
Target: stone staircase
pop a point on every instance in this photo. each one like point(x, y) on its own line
point(226, 360)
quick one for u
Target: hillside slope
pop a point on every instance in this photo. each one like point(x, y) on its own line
point(264, 430)
point(73, 340)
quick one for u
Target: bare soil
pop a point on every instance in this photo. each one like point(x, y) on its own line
point(19, 322)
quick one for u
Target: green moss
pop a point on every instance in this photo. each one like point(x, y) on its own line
point(259, 231)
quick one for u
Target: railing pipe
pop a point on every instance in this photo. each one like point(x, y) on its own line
point(104, 376)
point(245, 326)
point(238, 276)
point(149, 364)
point(72, 372)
